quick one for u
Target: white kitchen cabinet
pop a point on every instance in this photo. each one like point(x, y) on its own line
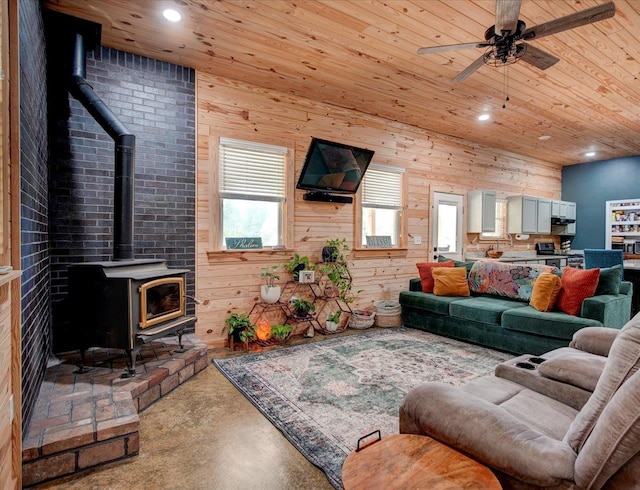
point(571, 214)
point(555, 209)
point(543, 226)
point(522, 214)
point(481, 211)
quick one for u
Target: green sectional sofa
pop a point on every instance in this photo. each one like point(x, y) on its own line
point(504, 320)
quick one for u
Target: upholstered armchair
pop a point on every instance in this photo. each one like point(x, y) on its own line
point(533, 441)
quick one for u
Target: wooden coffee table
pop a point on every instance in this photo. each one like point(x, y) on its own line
point(405, 461)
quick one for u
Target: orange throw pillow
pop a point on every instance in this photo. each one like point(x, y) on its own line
point(426, 278)
point(577, 285)
point(450, 281)
point(546, 289)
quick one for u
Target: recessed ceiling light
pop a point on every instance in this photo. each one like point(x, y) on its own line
point(172, 15)
point(483, 117)
point(590, 154)
point(544, 137)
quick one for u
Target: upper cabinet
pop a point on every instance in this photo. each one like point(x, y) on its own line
point(563, 210)
point(522, 214)
point(622, 223)
point(544, 217)
point(481, 211)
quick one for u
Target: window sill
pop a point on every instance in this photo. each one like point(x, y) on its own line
point(255, 255)
point(389, 253)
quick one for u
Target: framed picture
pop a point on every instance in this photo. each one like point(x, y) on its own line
point(306, 276)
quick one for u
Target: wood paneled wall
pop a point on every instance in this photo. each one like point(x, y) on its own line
point(228, 282)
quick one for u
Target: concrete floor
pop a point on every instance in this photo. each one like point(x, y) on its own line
point(206, 435)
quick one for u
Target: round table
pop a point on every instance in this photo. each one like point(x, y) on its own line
point(405, 461)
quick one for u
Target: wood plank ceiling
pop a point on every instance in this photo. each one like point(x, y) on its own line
point(361, 54)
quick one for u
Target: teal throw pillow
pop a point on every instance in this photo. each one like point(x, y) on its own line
point(457, 263)
point(609, 281)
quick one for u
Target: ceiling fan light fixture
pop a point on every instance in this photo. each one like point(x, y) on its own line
point(172, 15)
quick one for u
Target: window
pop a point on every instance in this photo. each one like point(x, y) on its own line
point(252, 191)
point(382, 206)
point(501, 222)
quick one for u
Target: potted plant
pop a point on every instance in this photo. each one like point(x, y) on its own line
point(269, 291)
point(332, 321)
point(297, 264)
point(337, 269)
point(281, 332)
point(240, 327)
point(303, 307)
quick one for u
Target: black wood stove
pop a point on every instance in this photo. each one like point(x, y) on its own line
point(126, 304)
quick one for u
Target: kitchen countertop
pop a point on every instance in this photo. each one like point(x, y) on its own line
point(516, 256)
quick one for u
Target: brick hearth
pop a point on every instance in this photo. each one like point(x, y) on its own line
point(83, 420)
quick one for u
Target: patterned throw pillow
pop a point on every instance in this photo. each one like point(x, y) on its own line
point(546, 289)
point(450, 281)
point(577, 285)
point(426, 278)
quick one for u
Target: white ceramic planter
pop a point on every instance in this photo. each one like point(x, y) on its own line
point(269, 294)
point(331, 326)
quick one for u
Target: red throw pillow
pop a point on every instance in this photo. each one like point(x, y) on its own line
point(426, 278)
point(577, 285)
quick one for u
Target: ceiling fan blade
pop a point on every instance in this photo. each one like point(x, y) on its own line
point(452, 47)
point(539, 58)
point(469, 70)
point(507, 12)
point(588, 16)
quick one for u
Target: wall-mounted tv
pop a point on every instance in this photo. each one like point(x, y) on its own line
point(333, 168)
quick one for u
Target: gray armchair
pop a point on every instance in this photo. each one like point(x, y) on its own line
point(533, 441)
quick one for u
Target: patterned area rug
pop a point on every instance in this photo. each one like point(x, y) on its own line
point(325, 395)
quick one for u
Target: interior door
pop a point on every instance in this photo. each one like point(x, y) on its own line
point(446, 235)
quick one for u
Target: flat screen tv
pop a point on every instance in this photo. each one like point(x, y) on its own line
point(333, 168)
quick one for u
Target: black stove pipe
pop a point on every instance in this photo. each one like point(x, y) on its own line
point(125, 144)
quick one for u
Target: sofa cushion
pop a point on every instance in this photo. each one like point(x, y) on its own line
point(428, 301)
point(450, 281)
point(545, 291)
point(577, 285)
point(549, 324)
point(609, 280)
point(506, 279)
point(426, 275)
point(483, 309)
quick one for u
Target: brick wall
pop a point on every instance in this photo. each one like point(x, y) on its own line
point(156, 101)
point(36, 316)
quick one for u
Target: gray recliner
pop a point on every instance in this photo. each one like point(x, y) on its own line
point(533, 441)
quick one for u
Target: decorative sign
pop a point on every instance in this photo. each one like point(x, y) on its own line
point(379, 241)
point(243, 243)
point(306, 276)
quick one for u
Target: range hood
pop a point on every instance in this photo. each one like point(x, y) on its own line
point(562, 221)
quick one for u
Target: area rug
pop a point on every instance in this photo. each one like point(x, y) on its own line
point(325, 395)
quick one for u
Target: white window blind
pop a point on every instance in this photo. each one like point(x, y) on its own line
point(382, 188)
point(252, 171)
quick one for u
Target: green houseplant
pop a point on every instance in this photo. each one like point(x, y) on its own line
point(333, 320)
point(269, 291)
point(303, 307)
point(298, 263)
point(280, 332)
point(337, 268)
point(240, 327)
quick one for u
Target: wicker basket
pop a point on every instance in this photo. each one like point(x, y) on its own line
point(388, 314)
point(361, 319)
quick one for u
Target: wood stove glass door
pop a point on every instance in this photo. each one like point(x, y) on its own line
point(161, 300)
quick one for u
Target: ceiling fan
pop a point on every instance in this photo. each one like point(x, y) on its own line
point(505, 41)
